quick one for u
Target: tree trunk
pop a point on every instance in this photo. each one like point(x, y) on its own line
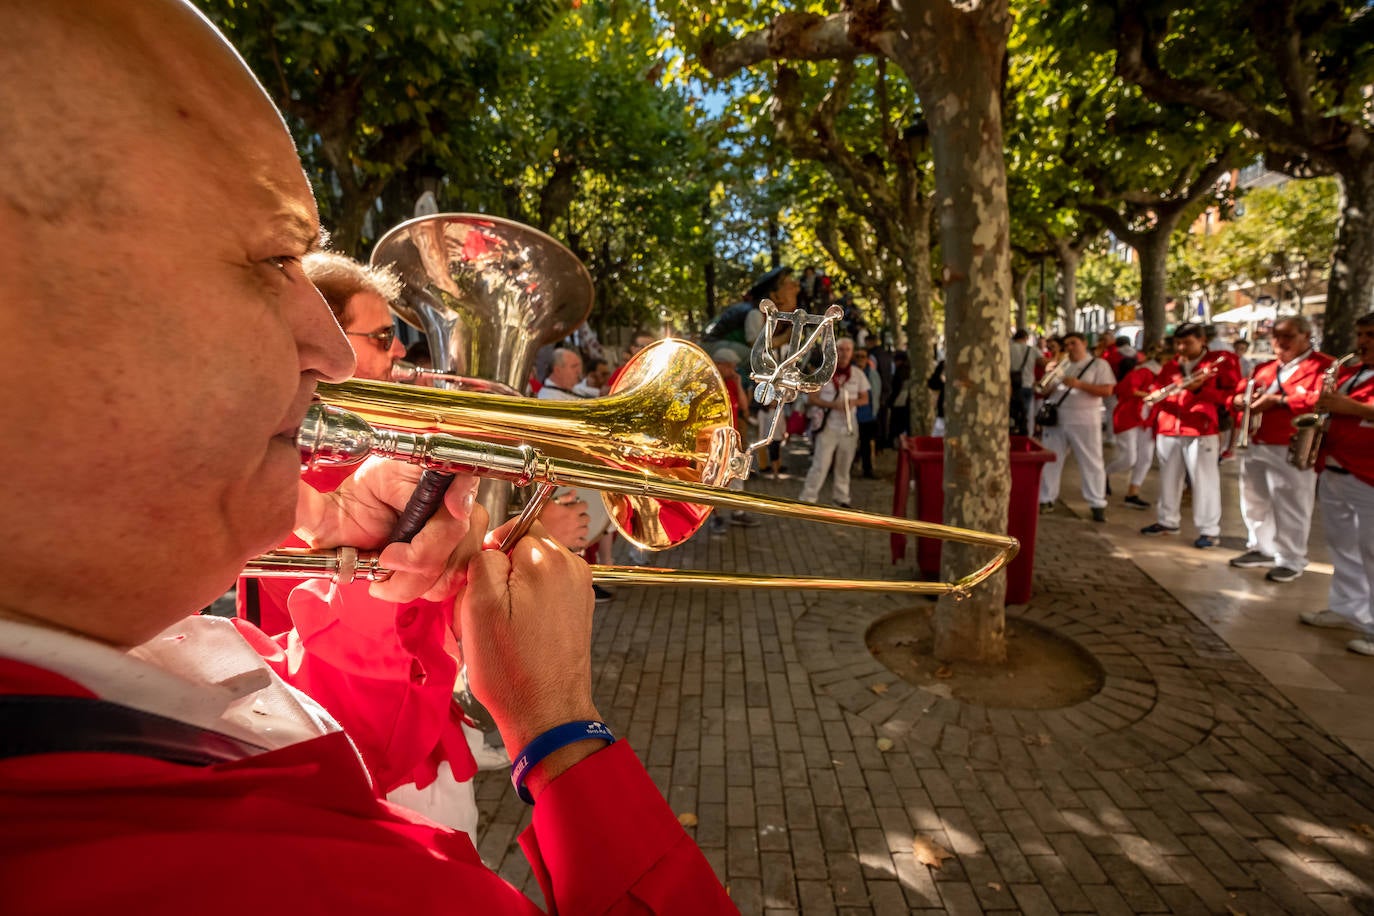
point(1350, 290)
point(959, 80)
point(1020, 280)
point(346, 235)
point(1153, 254)
point(1068, 258)
point(709, 275)
point(1042, 302)
point(920, 332)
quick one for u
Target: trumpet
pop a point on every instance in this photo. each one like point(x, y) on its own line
point(660, 449)
point(1053, 373)
point(1309, 429)
point(1248, 419)
point(1173, 388)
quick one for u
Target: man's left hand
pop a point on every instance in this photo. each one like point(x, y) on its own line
point(362, 513)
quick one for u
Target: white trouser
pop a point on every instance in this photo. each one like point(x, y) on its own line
point(835, 447)
point(1348, 517)
point(1085, 439)
point(1276, 502)
point(1108, 434)
point(1199, 455)
point(1135, 450)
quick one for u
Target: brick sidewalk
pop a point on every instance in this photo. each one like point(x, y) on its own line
point(1188, 785)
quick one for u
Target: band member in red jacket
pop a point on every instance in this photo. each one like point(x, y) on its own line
point(1275, 497)
point(141, 739)
point(1346, 494)
point(1133, 424)
point(1200, 382)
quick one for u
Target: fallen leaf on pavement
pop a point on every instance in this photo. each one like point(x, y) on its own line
point(1233, 911)
point(1363, 830)
point(885, 744)
point(994, 885)
point(929, 852)
point(687, 819)
point(879, 689)
point(1038, 740)
point(944, 671)
point(1306, 840)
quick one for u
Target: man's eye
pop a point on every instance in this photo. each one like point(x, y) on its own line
point(284, 262)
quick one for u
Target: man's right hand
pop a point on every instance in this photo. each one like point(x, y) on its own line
point(526, 625)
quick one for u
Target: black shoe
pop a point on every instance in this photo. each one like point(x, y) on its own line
point(1157, 529)
point(1046, 508)
point(743, 519)
point(1109, 488)
point(1099, 514)
point(1206, 540)
point(602, 595)
point(1252, 559)
point(1282, 574)
point(1135, 502)
point(844, 505)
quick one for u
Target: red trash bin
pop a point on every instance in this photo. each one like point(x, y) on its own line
point(924, 457)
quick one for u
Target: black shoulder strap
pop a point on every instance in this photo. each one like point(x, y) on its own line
point(32, 725)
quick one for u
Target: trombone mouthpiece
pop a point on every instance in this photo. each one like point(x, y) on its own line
point(330, 437)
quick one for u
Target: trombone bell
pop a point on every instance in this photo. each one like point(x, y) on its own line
point(668, 417)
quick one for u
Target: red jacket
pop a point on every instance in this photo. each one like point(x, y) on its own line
point(1301, 389)
point(380, 668)
point(117, 833)
point(1129, 408)
point(1194, 413)
point(1350, 440)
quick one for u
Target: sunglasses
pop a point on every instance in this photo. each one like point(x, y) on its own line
point(383, 338)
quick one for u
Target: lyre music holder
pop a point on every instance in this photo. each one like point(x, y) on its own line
point(779, 379)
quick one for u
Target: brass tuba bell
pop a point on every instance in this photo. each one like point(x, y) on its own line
point(487, 293)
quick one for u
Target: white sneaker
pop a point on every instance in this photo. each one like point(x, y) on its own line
point(1362, 646)
point(1327, 619)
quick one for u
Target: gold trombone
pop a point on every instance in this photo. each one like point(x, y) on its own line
point(660, 450)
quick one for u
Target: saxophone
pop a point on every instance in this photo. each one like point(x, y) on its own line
point(1310, 428)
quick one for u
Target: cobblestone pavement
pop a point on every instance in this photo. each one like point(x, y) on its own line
point(1188, 784)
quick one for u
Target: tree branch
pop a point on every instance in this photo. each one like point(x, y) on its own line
point(1137, 60)
point(862, 29)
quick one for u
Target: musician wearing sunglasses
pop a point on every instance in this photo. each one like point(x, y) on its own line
point(1276, 498)
point(1346, 494)
point(1199, 383)
point(146, 747)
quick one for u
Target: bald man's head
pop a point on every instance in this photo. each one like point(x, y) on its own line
point(154, 215)
point(78, 76)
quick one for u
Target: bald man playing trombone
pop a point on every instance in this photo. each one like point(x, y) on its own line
point(155, 215)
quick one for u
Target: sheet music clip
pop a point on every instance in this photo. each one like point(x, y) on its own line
point(779, 378)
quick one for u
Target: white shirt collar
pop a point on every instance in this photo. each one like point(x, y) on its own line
point(200, 671)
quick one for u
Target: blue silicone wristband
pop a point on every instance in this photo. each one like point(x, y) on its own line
point(559, 736)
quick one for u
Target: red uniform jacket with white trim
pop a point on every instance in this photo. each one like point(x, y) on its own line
point(301, 830)
point(1194, 413)
point(1350, 440)
point(1129, 408)
point(1301, 389)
